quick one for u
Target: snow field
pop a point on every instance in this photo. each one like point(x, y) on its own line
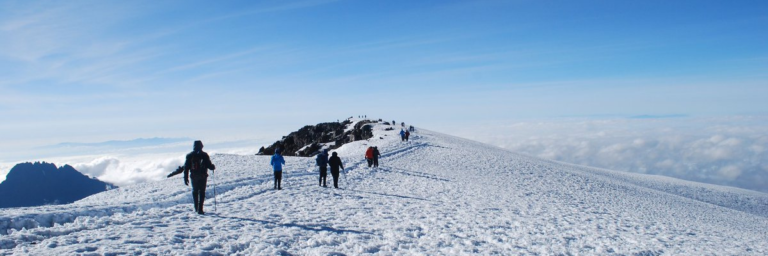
point(433, 195)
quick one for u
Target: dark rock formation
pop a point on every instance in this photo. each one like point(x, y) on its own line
point(34, 184)
point(308, 140)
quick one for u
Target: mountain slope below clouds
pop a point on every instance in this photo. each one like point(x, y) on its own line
point(434, 195)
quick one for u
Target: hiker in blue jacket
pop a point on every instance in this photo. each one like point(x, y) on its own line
point(322, 162)
point(277, 163)
point(402, 134)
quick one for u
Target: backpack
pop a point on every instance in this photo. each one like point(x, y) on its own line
point(196, 166)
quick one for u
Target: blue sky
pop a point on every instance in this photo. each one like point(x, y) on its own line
point(93, 71)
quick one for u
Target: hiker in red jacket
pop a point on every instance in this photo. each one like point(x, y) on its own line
point(369, 156)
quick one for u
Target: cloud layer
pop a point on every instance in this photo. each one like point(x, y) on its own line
point(729, 151)
point(128, 163)
point(130, 170)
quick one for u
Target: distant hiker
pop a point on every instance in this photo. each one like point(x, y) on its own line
point(402, 134)
point(198, 163)
point(376, 156)
point(322, 161)
point(393, 122)
point(335, 163)
point(411, 128)
point(277, 163)
point(402, 124)
point(369, 156)
point(407, 134)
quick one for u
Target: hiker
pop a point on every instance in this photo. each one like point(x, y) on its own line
point(198, 163)
point(335, 163)
point(412, 129)
point(376, 156)
point(277, 163)
point(402, 124)
point(402, 134)
point(407, 134)
point(369, 156)
point(393, 122)
point(322, 161)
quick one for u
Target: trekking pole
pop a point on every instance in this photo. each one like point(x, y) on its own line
point(214, 191)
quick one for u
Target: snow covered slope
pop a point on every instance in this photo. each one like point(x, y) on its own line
point(433, 195)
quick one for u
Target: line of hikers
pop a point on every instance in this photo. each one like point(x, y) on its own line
point(198, 162)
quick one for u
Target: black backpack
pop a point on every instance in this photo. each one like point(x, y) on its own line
point(196, 164)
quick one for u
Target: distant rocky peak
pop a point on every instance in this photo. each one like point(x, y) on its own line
point(310, 139)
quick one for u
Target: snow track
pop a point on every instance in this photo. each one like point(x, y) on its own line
point(433, 195)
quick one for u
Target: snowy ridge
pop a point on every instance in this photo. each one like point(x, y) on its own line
point(434, 195)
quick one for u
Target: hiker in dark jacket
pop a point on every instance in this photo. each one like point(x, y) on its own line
point(198, 163)
point(322, 162)
point(407, 134)
point(277, 163)
point(376, 156)
point(335, 163)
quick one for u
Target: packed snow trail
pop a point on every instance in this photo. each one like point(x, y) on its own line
point(433, 195)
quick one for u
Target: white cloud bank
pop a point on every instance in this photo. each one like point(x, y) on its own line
point(132, 169)
point(131, 165)
point(729, 151)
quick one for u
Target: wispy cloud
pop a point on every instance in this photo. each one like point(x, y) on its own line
point(216, 59)
point(658, 116)
point(141, 142)
point(281, 6)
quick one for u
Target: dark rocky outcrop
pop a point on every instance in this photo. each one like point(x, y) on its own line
point(308, 140)
point(34, 184)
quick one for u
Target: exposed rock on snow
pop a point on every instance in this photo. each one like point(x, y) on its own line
point(310, 139)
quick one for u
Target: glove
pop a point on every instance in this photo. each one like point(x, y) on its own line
point(186, 182)
point(213, 167)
